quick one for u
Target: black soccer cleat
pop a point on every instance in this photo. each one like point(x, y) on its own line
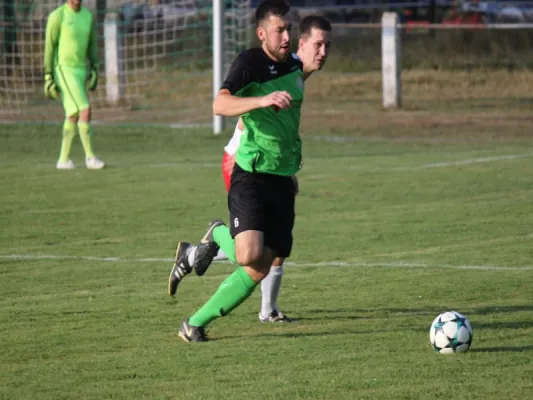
point(208, 237)
point(207, 249)
point(203, 257)
point(180, 269)
point(191, 333)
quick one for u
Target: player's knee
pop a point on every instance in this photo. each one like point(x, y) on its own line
point(73, 118)
point(257, 273)
point(249, 248)
point(85, 115)
point(249, 256)
point(278, 262)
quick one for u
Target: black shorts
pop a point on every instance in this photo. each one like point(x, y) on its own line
point(263, 202)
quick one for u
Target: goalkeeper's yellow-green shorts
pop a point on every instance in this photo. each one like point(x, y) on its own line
point(72, 81)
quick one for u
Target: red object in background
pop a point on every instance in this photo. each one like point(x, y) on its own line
point(417, 26)
point(469, 18)
point(466, 18)
point(228, 162)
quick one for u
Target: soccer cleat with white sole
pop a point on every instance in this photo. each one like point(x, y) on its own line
point(65, 165)
point(180, 269)
point(276, 317)
point(191, 333)
point(94, 163)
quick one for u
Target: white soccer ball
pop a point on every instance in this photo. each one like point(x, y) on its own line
point(451, 332)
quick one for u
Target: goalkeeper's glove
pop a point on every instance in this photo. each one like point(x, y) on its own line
point(51, 90)
point(93, 79)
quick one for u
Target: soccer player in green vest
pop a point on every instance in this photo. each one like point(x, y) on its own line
point(265, 87)
point(313, 50)
point(70, 45)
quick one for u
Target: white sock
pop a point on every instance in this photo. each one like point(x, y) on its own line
point(270, 290)
point(220, 256)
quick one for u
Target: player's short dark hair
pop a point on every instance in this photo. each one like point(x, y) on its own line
point(314, 21)
point(267, 8)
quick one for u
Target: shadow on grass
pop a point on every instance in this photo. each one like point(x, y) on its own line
point(504, 325)
point(431, 312)
point(366, 313)
point(503, 349)
point(298, 334)
point(465, 311)
point(504, 309)
point(333, 317)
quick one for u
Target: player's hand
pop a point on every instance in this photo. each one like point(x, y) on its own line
point(93, 79)
point(296, 185)
point(278, 100)
point(51, 90)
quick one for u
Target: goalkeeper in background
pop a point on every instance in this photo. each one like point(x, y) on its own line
point(70, 44)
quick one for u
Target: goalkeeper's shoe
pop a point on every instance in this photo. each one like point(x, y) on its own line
point(65, 165)
point(207, 249)
point(275, 317)
point(191, 333)
point(181, 267)
point(94, 163)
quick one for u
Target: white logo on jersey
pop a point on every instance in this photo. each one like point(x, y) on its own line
point(272, 69)
point(236, 222)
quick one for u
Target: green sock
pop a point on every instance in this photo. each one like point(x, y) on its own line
point(86, 136)
point(233, 291)
point(69, 131)
point(225, 241)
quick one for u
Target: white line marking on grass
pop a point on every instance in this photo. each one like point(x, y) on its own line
point(117, 123)
point(464, 162)
point(407, 265)
point(181, 165)
point(332, 139)
point(193, 165)
point(36, 257)
point(363, 168)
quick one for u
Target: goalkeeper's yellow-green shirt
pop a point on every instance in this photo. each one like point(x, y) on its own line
point(70, 39)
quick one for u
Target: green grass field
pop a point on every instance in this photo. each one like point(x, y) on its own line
point(396, 222)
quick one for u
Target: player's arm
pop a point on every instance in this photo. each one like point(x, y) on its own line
point(92, 56)
point(240, 124)
point(231, 100)
point(92, 48)
point(53, 25)
point(230, 106)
